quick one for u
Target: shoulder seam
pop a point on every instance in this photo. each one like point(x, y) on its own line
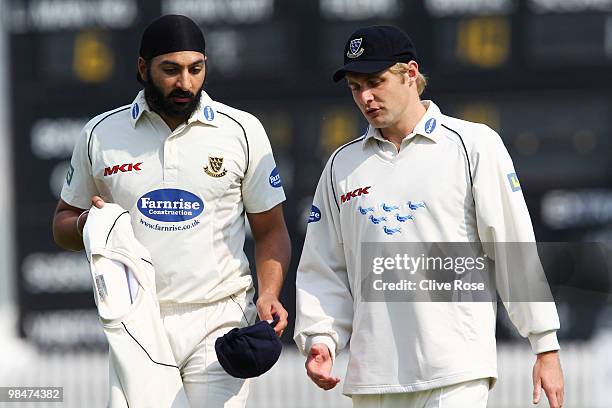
point(467, 156)
point(94, 126)
point(246, 139)
point(331, 167)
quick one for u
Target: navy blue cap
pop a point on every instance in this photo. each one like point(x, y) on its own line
point(249, 351)
point(373, 49)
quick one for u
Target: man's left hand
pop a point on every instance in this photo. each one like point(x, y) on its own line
point(547, 374)
point(269, 306)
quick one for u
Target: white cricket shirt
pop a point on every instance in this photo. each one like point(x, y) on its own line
point(452, 181)
point(187, 190)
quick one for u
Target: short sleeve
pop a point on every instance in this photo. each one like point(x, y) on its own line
point(262, 187)
point(79, 184)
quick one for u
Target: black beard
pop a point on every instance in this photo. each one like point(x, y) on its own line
point(162, 104)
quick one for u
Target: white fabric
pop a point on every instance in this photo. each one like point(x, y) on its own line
point(121, 287)
point(127, 154)
point(471, 394)
point(192, 330)
point(142, 369)
point(407, 347)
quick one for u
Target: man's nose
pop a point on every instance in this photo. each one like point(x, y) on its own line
point(366, 97)
point(184, 82)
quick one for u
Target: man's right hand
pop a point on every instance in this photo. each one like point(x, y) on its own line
point(318, 367)
point(97, 201)
point(66, 232)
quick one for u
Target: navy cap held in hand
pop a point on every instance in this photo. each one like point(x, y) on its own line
point(373, 49)
point(249, 351)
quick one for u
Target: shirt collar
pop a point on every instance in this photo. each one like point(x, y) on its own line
point(138, 107)
point(427, 127)
point(204, 113)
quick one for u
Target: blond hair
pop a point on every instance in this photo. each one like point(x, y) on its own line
point(401, 68)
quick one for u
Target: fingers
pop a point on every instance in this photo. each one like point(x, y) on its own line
point(322, 381)
point(97, 201)
point(554, 393)
point(316, 374)
point(264, 311)
point(283, 321)
point(537, 388)
point(553, 401)
point(547, 374)
point(267, 308)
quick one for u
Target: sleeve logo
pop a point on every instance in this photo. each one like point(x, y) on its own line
point(69, 174)
point(274, 179)
point(315, 214)
point(514, 182)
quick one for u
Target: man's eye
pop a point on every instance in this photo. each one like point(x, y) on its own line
point(170, 71)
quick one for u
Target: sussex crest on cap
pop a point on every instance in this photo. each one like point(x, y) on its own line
point(355, 48)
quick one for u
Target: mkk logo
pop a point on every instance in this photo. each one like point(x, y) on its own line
point(355, 193)
point(124, 168)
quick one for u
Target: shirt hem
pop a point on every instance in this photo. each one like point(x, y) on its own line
point(422, 385)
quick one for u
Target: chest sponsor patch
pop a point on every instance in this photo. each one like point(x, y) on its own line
point(514, 182)
point(354, 194)
point(170, 205)
point(275, 179)
point(122, 168)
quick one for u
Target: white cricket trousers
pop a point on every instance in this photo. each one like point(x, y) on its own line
point(470, 394)
point(192, 330)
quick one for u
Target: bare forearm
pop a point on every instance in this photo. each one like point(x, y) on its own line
point(272, 257)
point(65, 231)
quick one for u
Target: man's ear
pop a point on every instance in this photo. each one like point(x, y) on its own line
point(142, 68)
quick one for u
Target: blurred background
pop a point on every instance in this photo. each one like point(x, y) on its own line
point(537, 71)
